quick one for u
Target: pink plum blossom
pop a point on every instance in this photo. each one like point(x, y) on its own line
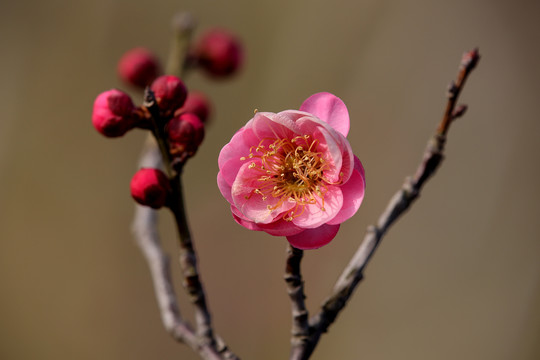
point(293, 173)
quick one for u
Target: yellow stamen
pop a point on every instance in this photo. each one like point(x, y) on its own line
point(291, 170)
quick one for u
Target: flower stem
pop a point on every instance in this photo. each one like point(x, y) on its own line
point(188, 263)
point(353, 273)
point(205, 342)
point(158, 129)
point(178, 62)
point(295, 288)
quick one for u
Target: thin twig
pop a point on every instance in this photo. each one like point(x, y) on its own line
point(158, 130)
point(400, 202)
point(188, 257)
point(183, 25)
point(204, 341)
point(145, 231)
point(188, 263)
point(295, 288)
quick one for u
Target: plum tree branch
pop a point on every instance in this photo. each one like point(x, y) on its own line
point(145, 232)
point(295, 288)
point(156, 154)
point(398, 205)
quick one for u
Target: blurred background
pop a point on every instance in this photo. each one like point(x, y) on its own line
point(457, 278)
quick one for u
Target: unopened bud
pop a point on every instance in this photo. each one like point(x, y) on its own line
point(185, 133)
point(198, 104)
point(138, 67)
point(113, 111)
point(150, 187)
point(470, 59)
point(219, 53)
point(170, 93)
point(461, 109)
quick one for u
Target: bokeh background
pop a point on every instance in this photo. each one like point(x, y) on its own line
point(457, 278)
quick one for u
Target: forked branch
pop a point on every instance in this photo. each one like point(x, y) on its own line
point(399, 203)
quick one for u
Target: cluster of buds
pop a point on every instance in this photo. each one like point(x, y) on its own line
point(114, 113)
point(175, 116)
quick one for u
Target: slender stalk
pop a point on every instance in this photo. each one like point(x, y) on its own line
point(398, 205)
point(146, 235)
point(188, 262)
point(157, 129)
point(183, 25)
point(295, 288)
point(468, 63)
point(203, 340)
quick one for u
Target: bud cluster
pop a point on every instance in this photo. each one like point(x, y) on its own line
point(219, 53)
point(176, 117)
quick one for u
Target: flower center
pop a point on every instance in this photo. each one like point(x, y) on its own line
point(291, 170)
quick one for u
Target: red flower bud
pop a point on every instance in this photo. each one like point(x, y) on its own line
point(113, 111)
point(186, 133)
point(196, 103)
point(219, 53)
point(138, 67)
point(170, 93)
point(150, 187)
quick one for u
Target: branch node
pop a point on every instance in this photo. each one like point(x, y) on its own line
point(459, 112)
point(452, 90)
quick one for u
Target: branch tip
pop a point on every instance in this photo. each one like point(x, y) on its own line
point(183, 21)
point(470, 59)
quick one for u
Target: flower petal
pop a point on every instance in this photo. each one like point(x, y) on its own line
point(314, 216)
point(281, 228)
point(237, 147)
point(229, 169)
point(245, 223)
point(353, 194)
point(335, 147)
point(333, 153)
point(329, 108)
point(314, 238)
point(277, 228)
point(267, 125)
point(224, 187)
point(248, 198)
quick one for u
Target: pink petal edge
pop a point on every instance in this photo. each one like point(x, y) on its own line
point(330, 109)
point(278, 228)
point(353, 194)
point(314, 238)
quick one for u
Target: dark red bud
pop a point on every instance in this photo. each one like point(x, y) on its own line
point(219, 53)
point(138, 67)
point(198, 104)
point(150, 187)
point(112, 114)
point(186, 133)
point(170, 93)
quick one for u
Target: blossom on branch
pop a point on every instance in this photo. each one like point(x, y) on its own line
point(198, 104)
point(139, 67)
point(185, 134)
point(170, 93)
point(150, 187)
point(294, 173)
point(219, 53)
point(113, 113)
